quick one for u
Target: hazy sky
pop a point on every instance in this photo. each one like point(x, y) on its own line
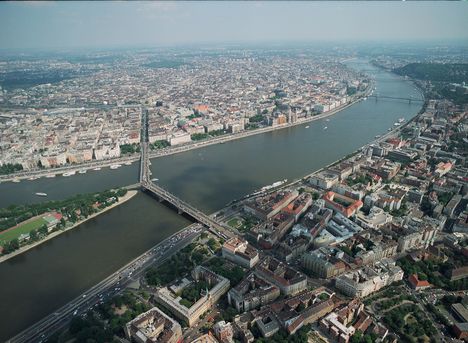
point(105, 24)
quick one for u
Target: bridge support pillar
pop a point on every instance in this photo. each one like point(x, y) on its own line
point(160, 199)
point(179, 211)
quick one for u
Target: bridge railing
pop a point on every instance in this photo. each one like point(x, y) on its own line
point(182, 205)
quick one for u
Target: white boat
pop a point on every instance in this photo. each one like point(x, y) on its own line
point(378, 136)
point(326, 127)
point(40, 194)
point(155, 179)
point(97, 168)
point(69, 173)
point(273, 185)
point(307, 126)
point(115, 166)
point(396, 124)
point(389, 129)
point(82, 171)
point(15, 180)
point(50, 176)
point(128, 163)
point(33, 178)
point(401, 120)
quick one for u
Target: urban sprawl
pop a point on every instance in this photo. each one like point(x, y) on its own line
point(96, 118)
point(370, 249)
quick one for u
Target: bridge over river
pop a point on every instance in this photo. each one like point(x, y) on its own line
point(163, 194)
point(384, 97)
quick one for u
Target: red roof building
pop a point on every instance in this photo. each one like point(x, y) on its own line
point(418, 284)
point(342, 204)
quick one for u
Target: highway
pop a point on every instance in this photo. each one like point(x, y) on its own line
point(60, 170)
point(116, 282)
point(109, 287)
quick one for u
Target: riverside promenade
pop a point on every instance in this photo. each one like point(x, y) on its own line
point(130, 194)
point(181, 148)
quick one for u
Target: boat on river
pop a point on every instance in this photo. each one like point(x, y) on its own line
point(15, 180)
point(40, 194)
point(273, 185)
point(115, 166)
point(97, 168)
point(69, 173)
point(307, 126)
point(82, 171)
point(49, 176)
point(326, 127)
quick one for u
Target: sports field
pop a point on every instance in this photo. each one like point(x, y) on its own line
point(24, 228)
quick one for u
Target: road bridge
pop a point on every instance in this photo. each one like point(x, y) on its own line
point(163, 194)
point(410, 100)
point(183, 207)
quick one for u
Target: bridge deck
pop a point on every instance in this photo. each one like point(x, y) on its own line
point(160, 192)
point(394, 98)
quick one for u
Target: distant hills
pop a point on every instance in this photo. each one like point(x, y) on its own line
point(437, 72)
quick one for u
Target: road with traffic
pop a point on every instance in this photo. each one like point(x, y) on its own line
point(109, 287)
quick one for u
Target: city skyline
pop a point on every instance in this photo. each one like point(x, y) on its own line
point(234, 171)
point(49, 25)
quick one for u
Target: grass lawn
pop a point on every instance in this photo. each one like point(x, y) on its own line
point(235, 222)
point(25, 228)
point(409, 319)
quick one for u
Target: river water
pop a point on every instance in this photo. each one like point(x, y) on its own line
point(44, 278)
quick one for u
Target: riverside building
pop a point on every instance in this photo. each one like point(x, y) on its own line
point(218, 286)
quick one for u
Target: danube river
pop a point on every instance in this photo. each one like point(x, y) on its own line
point(44, 278)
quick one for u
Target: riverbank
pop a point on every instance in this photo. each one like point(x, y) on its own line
point(178, 149)
point(244, 134)
point(126, 197)
point(206, 180)
point(24, 175)
point(377, 140)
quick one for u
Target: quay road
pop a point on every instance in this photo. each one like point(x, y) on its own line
point(177, 149)
point(109, 287)
point(393, 133)
point(60, 170)
point(233, 136)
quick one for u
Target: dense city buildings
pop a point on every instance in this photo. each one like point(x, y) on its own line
point(240, 252)
point(364, 281)
point(154, 326)
point(97, 116)
point(293, 313)
point(252, 292)
point(216, 286)
point(288, 280)
point(371, 248)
